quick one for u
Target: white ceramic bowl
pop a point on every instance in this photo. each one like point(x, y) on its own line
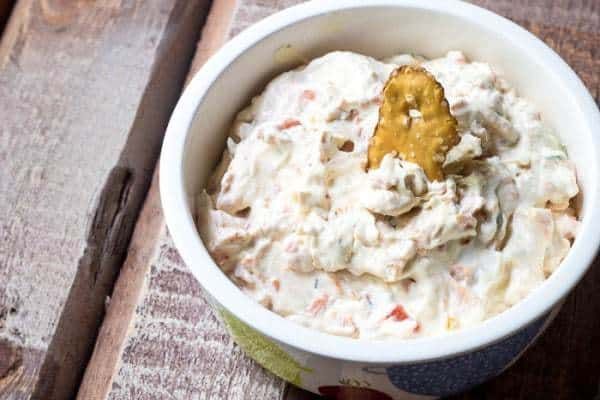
point(196, 136)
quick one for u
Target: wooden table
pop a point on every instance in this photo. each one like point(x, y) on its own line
point(86, 89)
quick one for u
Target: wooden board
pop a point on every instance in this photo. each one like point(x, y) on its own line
point(86, 89)
point(160, 339)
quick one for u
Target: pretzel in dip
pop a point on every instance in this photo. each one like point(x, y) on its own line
point(414, 121)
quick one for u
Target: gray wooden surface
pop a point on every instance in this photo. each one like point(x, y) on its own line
point(86, 89)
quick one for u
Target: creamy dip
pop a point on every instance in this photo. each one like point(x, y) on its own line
point(295, 220)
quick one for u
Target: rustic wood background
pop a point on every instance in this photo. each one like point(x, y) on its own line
point(86, 89)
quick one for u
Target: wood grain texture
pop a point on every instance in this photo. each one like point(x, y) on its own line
point(119, 315)
point(86, 91)
point(176, 349)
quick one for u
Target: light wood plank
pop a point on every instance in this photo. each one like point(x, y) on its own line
point(86, 91)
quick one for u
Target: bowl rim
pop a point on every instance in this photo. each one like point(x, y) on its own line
point(188, 242)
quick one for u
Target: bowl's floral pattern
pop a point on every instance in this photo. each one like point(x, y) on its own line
point(266, 352)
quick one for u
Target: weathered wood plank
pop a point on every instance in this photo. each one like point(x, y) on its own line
point(86, 88)
point(108, 348)
point(177, 350)
point(130, 286)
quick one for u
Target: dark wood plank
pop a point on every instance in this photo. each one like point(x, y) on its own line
point(86, 89)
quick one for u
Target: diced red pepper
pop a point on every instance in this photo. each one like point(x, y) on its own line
point(288, 123)
point(398, 313)
point(318, 304)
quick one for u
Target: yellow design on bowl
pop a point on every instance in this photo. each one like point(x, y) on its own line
point(263, 350)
